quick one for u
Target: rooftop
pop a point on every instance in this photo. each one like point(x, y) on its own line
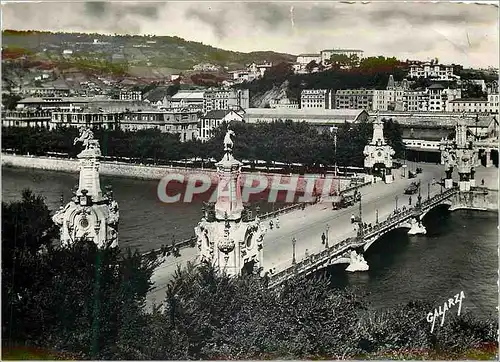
point(188, 95)
point(63, 99)
point(218, 114)
point(343, 50)
point(469, 100)
point(320, 114)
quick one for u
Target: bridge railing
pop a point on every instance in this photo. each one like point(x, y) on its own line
point(283, 210)
point(188, 243)
point(314, 259)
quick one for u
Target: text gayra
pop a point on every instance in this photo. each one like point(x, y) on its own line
point(441, 311)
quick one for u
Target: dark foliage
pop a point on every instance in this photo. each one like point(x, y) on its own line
point(372, 72)
point(89, 303)
point(49, 296)
point(287, 142)
point(10, 100)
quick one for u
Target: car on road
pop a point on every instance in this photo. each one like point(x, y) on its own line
point(345, 200)
point(412, 188)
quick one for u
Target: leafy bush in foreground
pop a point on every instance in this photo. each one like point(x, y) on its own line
point(90, 304)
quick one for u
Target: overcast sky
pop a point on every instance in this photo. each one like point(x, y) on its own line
point(453, 32)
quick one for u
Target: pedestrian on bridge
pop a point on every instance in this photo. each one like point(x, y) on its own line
point(271, 224)
point(307, 253)
point(409, 201)
point(482, 182)
point(353, 218)
point(323, 238)
point(277, 223)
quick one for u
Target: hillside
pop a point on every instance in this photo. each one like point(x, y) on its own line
point(155, 51)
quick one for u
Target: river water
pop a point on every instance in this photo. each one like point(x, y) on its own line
point(459, 252)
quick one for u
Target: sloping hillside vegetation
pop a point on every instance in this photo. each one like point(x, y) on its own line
point(164, 51)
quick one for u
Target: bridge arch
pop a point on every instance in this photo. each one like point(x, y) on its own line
point(443, 204)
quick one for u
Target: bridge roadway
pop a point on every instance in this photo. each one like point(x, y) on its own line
point(308, 225)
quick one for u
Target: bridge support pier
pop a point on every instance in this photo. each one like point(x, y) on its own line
point(416, 227)
point(357, 263)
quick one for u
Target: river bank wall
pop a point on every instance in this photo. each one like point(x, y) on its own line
point(159, 172)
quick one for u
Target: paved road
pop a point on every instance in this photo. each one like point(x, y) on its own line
point(308, 225)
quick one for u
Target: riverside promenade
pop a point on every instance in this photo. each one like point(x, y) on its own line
point(307, 226)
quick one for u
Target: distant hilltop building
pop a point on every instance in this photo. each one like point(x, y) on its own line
point(253, 71)
point(327, 54)
point(323, 57)
point(432, 70)
point(206, 67)
point(129, 95)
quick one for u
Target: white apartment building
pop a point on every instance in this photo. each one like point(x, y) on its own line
point(387, 100)
point(415, 101)
point(304, 59)
point(283, 103)
point(436, 98)
point(493, 104)
point(354, 99)
point(213, 119)
point(184, 123)
point(327, 53)
point(259, 69)
point(435, 71)
point(317, 99)
point(188, 99)
point(130, 95)
point(470, 105)
point(225, 99)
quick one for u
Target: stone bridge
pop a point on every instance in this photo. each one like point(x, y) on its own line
point(366, 236)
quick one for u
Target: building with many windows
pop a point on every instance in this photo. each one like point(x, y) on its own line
point(26, 118)
point(188, 99)
point(354, 99)
point(493, 100)
point(46, 91)
point(433, 71)
point(222, 99)
point(211, 100)
point(213, 119)
point(317, 99)
point(182, 122)
point(327, 53)
point(470, 105)
point(323, 119)
point(304, 59)
point(130, 95)
point(436, 98)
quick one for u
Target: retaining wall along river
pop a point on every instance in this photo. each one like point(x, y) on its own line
point(158, 172)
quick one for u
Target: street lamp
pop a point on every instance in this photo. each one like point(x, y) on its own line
point(334, 129)
point(428, 191)
point(376, 216)
point(327, 230)
point(294, 241)
point(396, 202)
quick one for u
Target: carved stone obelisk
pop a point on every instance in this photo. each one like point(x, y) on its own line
point(227, 238)
point(90, 215)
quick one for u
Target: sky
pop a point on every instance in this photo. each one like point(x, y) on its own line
point(457, 33)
